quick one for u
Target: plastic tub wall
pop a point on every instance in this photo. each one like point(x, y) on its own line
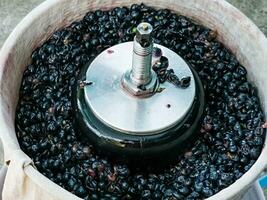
point(234, 29)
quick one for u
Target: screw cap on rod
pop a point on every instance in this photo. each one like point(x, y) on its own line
point(141, 80)
point(143, 34)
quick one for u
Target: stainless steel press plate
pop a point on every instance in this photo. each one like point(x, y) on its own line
point(117, 109)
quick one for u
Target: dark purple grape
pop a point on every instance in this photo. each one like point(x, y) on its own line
point(229, 141)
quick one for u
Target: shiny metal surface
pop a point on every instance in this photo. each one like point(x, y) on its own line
point(141, 80)
point(141, 63)
point(126, 113)
point(135, 90)
point(142, 55)
point(143, 32)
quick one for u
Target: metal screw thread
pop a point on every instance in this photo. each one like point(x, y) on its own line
point(142, 56)
point(141, 65)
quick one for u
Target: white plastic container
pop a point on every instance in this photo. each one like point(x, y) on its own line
point(234, 29)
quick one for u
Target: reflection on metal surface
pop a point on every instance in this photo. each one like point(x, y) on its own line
point(121, 111)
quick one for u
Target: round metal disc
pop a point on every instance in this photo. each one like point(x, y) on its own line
point(143, 116)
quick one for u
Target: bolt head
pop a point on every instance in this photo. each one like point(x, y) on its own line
point(143, 32)
point(140, 91)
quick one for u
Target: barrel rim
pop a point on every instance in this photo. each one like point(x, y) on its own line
point(5, 55)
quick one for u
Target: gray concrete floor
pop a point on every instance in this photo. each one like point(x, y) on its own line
point(12, 11)
point(256, 10)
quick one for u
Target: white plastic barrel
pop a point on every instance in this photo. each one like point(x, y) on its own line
point(235, 31)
